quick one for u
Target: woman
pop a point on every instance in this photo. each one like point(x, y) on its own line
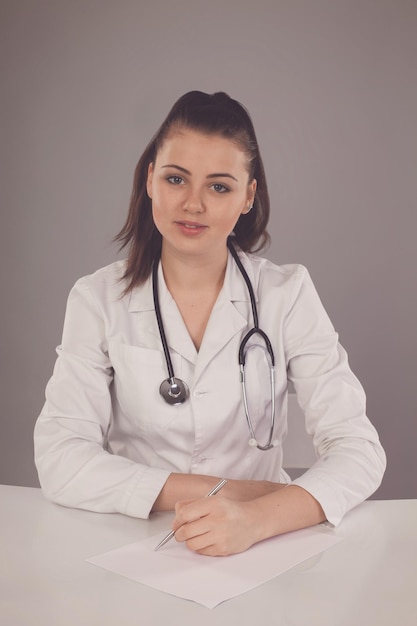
point(110, 440)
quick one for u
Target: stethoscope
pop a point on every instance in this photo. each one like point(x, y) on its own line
point(175, 391)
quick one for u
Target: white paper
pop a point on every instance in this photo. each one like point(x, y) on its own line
point(211, 580)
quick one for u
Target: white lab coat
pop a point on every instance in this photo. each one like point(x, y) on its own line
point(106, 441)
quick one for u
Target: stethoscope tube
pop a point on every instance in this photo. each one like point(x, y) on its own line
point(255, 329)
point(242, 359)
point(173, 390)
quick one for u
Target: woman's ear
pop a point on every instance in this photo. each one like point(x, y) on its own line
point(251, 196)
point(149, 180)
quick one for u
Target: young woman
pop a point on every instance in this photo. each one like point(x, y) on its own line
point(180, 311)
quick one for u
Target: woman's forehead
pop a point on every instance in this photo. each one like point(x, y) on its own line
point(185, 143)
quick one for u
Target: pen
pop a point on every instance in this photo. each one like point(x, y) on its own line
point(172, 532)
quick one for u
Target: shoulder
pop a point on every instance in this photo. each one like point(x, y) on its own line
point(104, 285)
point(290, 288)
point(268, 275)
point(105, 275)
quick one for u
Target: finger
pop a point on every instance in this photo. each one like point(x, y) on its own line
point(203, 537)
point(211, 550)
point(192, 530)
point(208, 546)
point(180, 518)
point(189, 511)
point(212, 544)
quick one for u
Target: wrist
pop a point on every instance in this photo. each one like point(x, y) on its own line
point(284, 511)
point(246, 490)
point(258, 520)
point(183, 487)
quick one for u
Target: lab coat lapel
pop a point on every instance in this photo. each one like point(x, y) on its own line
point(178, 337)
point(142, 303)
point(226, 319)
point(224, 323)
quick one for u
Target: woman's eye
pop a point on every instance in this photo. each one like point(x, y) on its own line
point(175, 180)
point(220, 188)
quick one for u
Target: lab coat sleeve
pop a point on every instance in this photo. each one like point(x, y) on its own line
point(350, 459)
point(74, 468)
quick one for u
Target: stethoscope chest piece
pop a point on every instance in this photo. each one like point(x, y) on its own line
point(174, 391)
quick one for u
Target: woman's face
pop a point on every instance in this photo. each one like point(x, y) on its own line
point(199, 186)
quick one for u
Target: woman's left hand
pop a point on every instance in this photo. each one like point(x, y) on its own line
point(215, 526)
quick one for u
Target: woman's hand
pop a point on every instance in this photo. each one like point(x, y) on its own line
point(243, 513)
point(219, 526)
point(215, 526)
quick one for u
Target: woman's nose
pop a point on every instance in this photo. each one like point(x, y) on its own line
point(194, 202)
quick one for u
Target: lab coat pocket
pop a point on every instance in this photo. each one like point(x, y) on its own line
point(138, 373)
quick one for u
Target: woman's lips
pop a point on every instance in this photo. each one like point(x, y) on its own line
point(191, 228)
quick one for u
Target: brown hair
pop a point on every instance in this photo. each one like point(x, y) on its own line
point(214, 114)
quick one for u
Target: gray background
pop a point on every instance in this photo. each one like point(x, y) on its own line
point(331, 86)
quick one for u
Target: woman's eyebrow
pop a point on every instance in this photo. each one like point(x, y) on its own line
point(178, 167)
point(222, 175)
point(215, 175)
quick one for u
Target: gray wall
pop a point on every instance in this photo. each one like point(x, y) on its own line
point(331, 86)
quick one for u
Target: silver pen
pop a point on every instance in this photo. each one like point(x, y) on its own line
point(172, 532)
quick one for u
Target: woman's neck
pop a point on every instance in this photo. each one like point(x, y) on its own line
point(185, 273)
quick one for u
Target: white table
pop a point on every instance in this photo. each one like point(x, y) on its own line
point(368, 579)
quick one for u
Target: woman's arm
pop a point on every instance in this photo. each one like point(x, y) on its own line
point(350, 459)
point(179, 487)
point(74, 468)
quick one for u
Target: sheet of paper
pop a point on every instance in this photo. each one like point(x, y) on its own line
point(211, 580)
